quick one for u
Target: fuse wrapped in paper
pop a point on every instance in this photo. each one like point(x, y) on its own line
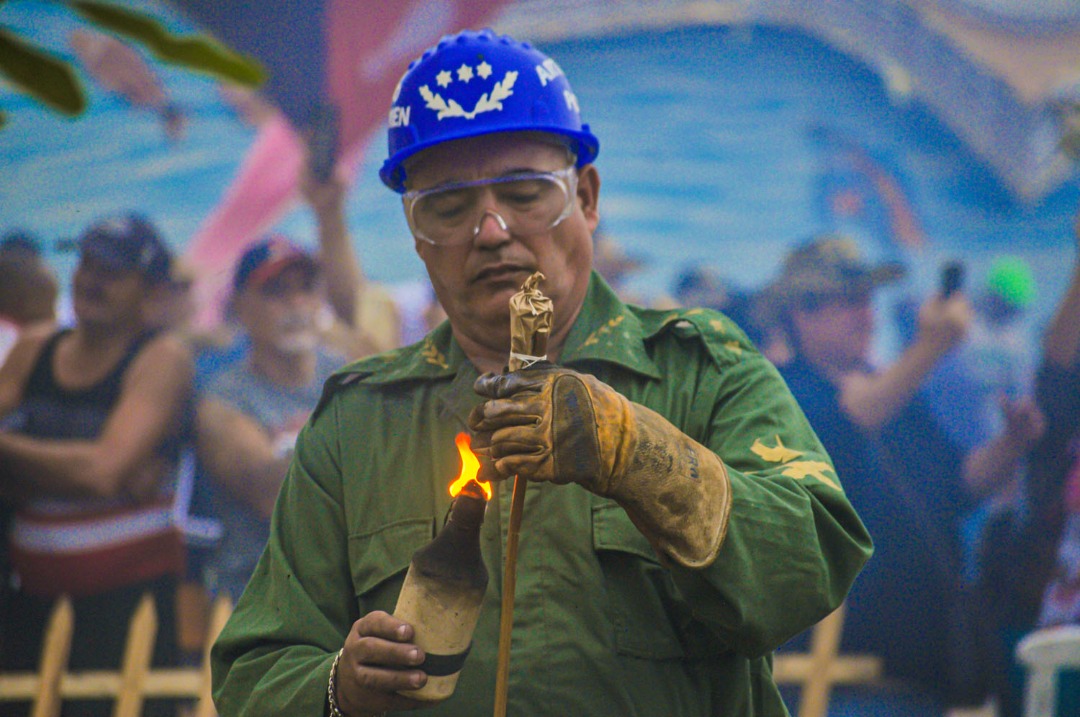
point(530, 324)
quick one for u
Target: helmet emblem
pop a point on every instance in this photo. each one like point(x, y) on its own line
point(486, 103)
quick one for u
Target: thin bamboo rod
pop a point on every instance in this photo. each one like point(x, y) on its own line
point(506, 615)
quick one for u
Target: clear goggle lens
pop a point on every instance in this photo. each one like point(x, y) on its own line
point(527, 204)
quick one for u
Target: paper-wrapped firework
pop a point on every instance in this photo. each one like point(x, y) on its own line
point(530, 324)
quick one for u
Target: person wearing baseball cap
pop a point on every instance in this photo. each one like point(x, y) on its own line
point(267, 259)
point(681, 518)
point(823, 293)
point(99, 414)
point(258, 274)
point(902, 473)
point(250, 412)
point(127, 244)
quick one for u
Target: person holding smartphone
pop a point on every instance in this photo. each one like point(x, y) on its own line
point(908, 480)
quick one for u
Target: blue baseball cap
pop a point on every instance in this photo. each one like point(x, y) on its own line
point(19, 240)
point(267, 258)
point(128, 243)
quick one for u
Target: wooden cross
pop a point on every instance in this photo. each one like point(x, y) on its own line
point(817, 671)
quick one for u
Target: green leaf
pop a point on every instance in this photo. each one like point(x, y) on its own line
point(40, 74)
point(199, 52)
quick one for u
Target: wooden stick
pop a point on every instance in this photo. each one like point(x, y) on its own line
point(530, 322)
point(506, 615)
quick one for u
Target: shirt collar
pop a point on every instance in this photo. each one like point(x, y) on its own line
point(606, 330)
point(435, 356)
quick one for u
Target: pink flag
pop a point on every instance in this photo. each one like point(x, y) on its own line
point(369, 46)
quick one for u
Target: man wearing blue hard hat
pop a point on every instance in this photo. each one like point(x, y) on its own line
point(681, 521)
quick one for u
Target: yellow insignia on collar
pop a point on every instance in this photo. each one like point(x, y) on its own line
point(432, 355)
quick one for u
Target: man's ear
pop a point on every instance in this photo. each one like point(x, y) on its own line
point(420, 247)
point(588, 195)
point(416, 242)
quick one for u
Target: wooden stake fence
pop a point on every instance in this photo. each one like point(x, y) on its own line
point(816, 672)
point(128, 688)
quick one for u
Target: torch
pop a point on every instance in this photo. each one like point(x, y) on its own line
point(445, 584)
point(530, 323)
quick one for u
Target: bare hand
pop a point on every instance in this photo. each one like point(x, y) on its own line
point(1024, 422)
point(145, 481)
point(323, 197)
point(943, 322)
point(376, 664)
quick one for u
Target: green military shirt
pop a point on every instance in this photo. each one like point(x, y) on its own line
point(602, 625)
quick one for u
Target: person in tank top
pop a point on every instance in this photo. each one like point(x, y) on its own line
point(94, 417)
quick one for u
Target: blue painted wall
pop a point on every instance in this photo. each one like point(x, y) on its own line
point(719, 145)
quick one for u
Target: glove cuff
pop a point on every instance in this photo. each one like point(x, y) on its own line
point(675, 490)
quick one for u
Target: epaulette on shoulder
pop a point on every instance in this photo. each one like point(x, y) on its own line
point(361, 369)
point(725, 341)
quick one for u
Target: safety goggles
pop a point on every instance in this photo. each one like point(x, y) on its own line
point(525, 204)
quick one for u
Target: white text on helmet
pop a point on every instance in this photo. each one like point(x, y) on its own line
point(571, 101)
point(548, 71)
point(399, 116)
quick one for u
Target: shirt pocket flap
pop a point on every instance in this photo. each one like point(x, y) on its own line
point(612, 530)
point(639, 591)
point(377, 556)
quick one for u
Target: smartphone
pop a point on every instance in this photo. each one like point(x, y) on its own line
point(323, 143)
point(952, 278)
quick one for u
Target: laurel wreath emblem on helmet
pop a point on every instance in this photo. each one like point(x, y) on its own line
point(499, 92)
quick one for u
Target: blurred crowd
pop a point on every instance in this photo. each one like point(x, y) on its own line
point(139, 452)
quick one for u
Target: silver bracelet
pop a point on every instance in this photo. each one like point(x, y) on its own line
point(331, 692)
point(331, 689)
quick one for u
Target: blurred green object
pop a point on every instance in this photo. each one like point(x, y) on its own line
point(198, 52)
point(52, 80)
point(1011, 279)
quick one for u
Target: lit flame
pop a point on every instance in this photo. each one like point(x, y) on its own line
point(470, 466)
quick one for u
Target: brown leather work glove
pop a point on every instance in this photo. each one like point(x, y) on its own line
point(549, 423)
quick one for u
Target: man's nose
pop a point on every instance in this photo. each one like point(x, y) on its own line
point(490, 229)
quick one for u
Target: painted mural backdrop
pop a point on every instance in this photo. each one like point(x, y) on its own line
point(719, 146)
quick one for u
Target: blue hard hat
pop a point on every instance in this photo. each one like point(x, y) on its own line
point(477, 83)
